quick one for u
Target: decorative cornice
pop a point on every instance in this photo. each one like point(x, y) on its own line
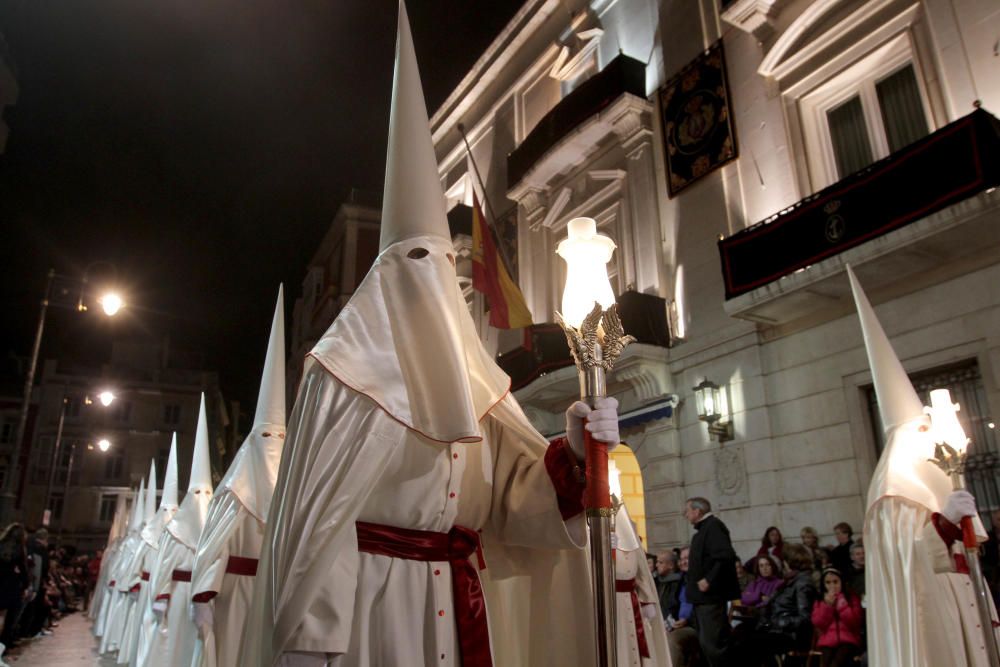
point(754, 17)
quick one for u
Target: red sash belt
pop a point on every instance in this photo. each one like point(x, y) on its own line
point(454, 547)
point(628, 586)
point(144, 575)
point(244, 566)
point(181, 575)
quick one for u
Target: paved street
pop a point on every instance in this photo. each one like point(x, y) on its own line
point(71, 645)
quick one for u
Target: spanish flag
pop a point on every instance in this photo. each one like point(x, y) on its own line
point(489, 275)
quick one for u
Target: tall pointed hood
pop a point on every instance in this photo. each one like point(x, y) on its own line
point(169, 498)
point(190, 517)
point(898, 403)
point(138, 510)
point(201, 464)
point(119, 521)
point(406, 337)
point(254, 470)
point(150, 507)
point(903, 469)
point(413, 201)
point(271, 397)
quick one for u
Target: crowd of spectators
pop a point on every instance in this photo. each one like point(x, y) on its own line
point(39, 584)
point(803, 600)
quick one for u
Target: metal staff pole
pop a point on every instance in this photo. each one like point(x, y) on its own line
point(55, 456)
point(595, 347)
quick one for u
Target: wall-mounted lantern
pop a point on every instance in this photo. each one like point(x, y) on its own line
point(713, 408)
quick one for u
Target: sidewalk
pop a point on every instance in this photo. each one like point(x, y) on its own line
point(71, 645)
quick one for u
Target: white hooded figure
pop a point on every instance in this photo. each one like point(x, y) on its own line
point(151, 536)
point(416, 518)
point(921, 608)
point(132, 580)
point(101, 601)
point(121, 604)
point(225, 566)
point(641, 634)
point(173, 633)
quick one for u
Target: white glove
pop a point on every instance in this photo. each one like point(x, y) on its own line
point(648, 612)
point(159, 610)
point(601, 422)
point(203, 616)
point(958, 505)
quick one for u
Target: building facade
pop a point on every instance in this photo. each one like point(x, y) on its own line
point(8, 88)
point(740, 153)
point(154, 396)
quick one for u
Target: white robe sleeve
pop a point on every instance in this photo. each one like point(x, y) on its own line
point(212, 556)
point(337, 445)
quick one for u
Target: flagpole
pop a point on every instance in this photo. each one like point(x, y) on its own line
point(486, 199)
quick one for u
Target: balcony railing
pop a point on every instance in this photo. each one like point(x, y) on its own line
point(958, 161)
point(622, 75)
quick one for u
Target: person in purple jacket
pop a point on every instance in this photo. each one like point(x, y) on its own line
point(763, 587)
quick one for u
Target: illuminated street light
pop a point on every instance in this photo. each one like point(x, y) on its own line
point(106, 397)
point(112, 303)
point(104, 444)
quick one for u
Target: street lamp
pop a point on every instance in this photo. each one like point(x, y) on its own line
point(596, 338)
point(111, 303)
point(106, 397)
point(950, 454)
point(7, 496)
point(104, 444)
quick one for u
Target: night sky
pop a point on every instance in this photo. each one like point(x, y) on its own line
point(201, 148)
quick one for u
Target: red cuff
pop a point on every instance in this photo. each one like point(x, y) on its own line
point(204, 596)
point(948, 531)
point(561, 465)
point(165, 596)
point(134, 589)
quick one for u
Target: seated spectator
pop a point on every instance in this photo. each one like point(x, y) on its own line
point(785, 622)
point(838, 620)
point(840, 555)
point(772, 544)
point(682, 638)
point(668, 580)
point(810, 540)
point(760, 592)
point(854, 578)
point(651, 563)
point(744, 576)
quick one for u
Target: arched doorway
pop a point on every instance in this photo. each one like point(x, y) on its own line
point(630, 481)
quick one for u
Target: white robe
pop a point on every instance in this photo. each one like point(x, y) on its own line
point(632, 565)
point(921, 613)
point(119, 604)
point(347, 460)
point(102, 592)
point(173, 635)
point(132, 610)
point(230, 530)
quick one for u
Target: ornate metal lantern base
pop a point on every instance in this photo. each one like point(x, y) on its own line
point(596, 345)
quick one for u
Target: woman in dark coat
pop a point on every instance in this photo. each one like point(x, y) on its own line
point(785, 621)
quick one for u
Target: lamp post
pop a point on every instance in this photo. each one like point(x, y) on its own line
point(950, 454)
point(595, 336)
point(8, 496)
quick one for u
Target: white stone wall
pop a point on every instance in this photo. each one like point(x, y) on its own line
point(803, 450)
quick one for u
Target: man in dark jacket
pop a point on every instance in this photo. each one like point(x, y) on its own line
point(667, 580)
point(711, 580)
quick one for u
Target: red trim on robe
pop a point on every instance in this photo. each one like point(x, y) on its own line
point(950, 533)
point(628, 586)
point(181, 575)
point(454, 547)
point(204, 596)
point(559, 463)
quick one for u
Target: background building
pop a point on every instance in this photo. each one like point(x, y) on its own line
point(157, 391)
point(844, 126)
